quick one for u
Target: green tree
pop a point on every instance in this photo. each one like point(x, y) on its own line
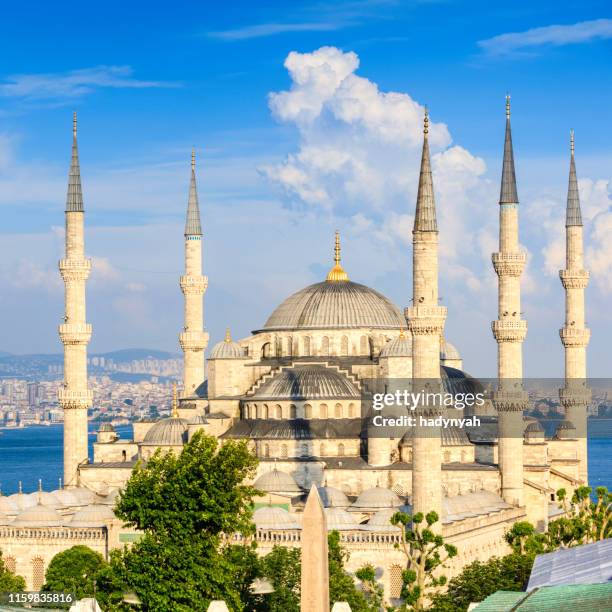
point(188, 507)
point(9, 581)
point(592, 518)
point(74, 571)
point(372, 589)
point(281, 567)
point(426, 552)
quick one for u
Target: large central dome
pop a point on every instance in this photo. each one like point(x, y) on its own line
point(335, 305)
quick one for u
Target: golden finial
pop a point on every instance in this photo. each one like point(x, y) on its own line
point(507, 106)
point(74, 124)
point(572, 142)
point(193, 158)
point(337, 273)
point(402, 333)
point(174, 402)
point(426, 122)
point(228, 335)
point(20, 488)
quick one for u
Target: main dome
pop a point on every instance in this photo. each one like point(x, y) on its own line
point(335, 305)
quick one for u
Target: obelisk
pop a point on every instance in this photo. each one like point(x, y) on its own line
point(315, 568)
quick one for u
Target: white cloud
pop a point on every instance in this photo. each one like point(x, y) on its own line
point(262, 30)
point(73, 84)
point(556, 35)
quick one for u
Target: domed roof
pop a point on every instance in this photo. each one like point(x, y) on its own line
point(167, 432)
point(398, 347)
point(4, 519)
point(276, 481)
point(565, 429)
point(330, 496)
point(377, 497)
point(448, 351)
point(339, 304)
point(381, 521)
point(339, 519)
point(23, 500)
point(227, 349)
point(106, 427)
point(534, 426)
point(95, 515)
point(273, 517)
point(68, 498)
point(472, 504)
point(307, 382)
point(38, 516)
point(565, 424)
point(8, 505)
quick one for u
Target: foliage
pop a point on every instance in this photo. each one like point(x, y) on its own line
point(372, 590)
point(281, 567)
point(592, 518)
point(74, 571)
point(425, 551)
point(9, 581)
point(478, 580)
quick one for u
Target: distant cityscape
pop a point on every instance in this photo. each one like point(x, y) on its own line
point(127, 385)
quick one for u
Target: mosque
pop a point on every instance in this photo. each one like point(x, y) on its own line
point(295, 389)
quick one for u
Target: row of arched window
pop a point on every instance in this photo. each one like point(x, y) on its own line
point(308, 347)
point(325, 449)
point(307, 411)
point(38, 570)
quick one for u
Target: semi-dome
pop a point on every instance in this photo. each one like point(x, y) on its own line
point(227, 349)
point(273, 517)
point(167, 432)
point(534, 431)
point(38, 516)
point(381, 521)
point(398, 347)
point(335, 305)
point(377, 497)
point(276, 481)
point(339, 519)
point(307, 382)
point(330, 496)
point(96, 515)
point(448, 351)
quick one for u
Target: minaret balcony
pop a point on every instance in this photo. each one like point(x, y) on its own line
point(425, 320)
point(193, 340)
point(507, 330)
point(508, 264)
point(574, 279)
point(572, 395)
point(510, 400)
point(75, 269)
point(575, 337)
point(75, 333)
point(193, 284)
point(70, 399)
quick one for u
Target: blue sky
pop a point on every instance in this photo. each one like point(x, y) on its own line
point(150, 81)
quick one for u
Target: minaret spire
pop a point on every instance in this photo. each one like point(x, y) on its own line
point(508, 193)
point(573, 215)
point(425, 216)
point(75, 333)
point(193, 339)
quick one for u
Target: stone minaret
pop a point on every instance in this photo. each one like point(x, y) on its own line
point(193, 339)
point(426, 323)
point(509, 331)
point(74, 396)
point(574, 335)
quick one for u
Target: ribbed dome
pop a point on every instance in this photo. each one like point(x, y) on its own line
point(307, 382)
point(8, 505)
point(228, 349)
point(276, 481)
point(335, 305)
point(106, 427)
point(534, 430)
point(377, 497)
point(67, 498)
point(339, 519)
point(448, 351)
point(565, 429)
point(38, 516)
point(167, 432)
point(95, 515)
point(381, 521)
point(273, 517)
point(330, 496)
point(398, 347)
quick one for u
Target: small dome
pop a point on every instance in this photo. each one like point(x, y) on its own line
point(96, 515)
point(330, 496)
point(8, 505)
point(227, 349)
point(565, 429)
point(273, 517)
point(339, 519)
point(21, 501)
point(111, 498)
point(377, 497)
point(276, 481)
point(171, 431)
point(50, 499)
point(398, 347)
point(534, 427)
point(67, 498)
point(199, 419)
point(381, 521)
point(448, 351)
point(106, 427)
point(38, 516)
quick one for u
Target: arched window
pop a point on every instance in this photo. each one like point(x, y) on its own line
point(264, 412)
point(344, 346)
point(124, 456)
point(266, 350)
point(351, 411)
point(278, 412)
point(283, 451)
point(340, 450)
point(338, 411)
point(266, 450)
point(293, 411)
point(364, 346)
point(323, 411)
point(304, 450)
point(258, 409)
point(307, 346)
point(447, 456)
point(322, 449)
point(307, 411)
point(289, 346)
point(38, 573)
point(395, 581)
point(325, 345)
